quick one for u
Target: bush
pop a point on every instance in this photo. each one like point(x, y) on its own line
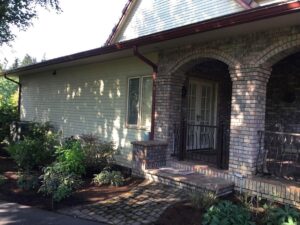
point(282, 216)
point(99, 154)
point(36, 149)
point(114, 178)
point(8, 106)
point(27, 181)
point(3, 179)
point(8, 114)
point(227, 213)
point(71, 157)
point(58, 183)
point(202, 200)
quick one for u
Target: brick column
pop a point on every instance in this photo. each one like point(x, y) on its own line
point(168, 106)
point(249, 85)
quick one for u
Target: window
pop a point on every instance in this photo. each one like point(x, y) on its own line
point(139, 102)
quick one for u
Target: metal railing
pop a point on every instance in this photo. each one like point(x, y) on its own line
point(194, 138)
point(278, 155)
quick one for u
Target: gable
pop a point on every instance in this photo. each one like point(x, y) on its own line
point(144, 17)
point(151, 16)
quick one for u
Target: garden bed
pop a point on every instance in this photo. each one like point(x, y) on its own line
point(87, 194)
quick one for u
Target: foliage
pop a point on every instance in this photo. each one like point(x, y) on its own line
point(28, 181)
point(2, 179)
point(203, 200)
point(8, 106)
point(227, 213)
point(57, 183)
point(114, 178)
point(282, 216)
point(36, 149)
point(19, 13)
point(71, 157)
point(99, 154)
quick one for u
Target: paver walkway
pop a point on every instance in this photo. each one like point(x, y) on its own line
point(143, 205)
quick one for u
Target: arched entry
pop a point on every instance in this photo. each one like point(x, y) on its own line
point(282, 122)
point(201, 132)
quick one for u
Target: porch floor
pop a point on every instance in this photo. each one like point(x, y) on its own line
point(190, 180)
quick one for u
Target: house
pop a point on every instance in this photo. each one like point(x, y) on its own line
point(214, 82)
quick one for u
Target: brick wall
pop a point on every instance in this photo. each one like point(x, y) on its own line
point(283, 96)
point(250, 59)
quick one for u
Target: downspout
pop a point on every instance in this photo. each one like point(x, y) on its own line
point(154, 75)
point(20, 93)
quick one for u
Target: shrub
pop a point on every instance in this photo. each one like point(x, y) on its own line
point(3, 179)
point(32, 154)
point(57, 183)
point(282, 216)
point(36, 149)
point(8, 106)
point(202, 200)
point(27, 181)
point(99, 154)
point(71, 157)
point(114, 178)
point(226, 213)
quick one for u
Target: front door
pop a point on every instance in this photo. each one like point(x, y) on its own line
point(201, 118)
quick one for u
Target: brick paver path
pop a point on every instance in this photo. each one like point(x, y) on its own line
point(142, 205)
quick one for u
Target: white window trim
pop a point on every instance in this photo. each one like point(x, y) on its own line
point(139, 120)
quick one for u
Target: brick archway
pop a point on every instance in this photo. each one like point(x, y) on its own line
point(192, 58)
point(278, 51)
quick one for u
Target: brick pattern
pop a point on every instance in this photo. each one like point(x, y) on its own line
point(149, 154)
point(250, 59)
point(271, 189)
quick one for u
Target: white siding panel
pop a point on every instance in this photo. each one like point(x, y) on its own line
point(151, 16)
point(85, 99)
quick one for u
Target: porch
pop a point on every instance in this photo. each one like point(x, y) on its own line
point(235, 121)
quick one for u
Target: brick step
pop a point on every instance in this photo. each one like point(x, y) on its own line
point(190, 180)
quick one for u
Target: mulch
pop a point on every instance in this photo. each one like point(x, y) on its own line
point(87, 194)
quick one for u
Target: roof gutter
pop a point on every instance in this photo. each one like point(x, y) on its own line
point(154, 75)
point(246, 16)
point(20, 93)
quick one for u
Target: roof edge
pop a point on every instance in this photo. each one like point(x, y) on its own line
point(125, 12)
point(251, 15)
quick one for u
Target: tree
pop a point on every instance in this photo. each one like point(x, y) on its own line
point(28, 60)
point(19, 13)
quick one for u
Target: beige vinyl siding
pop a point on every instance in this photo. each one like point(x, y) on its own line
point(85, 99)
point(151, 16)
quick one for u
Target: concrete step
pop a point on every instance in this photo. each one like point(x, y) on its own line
point(190, 180)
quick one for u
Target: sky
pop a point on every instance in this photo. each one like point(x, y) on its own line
point(83, 25)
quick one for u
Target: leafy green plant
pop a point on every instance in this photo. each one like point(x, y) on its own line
point(27, 181)
point(36, 149)
point(71, 157)
point(282, 216)
point(227, 213)
point(114, 178)
point(58, 183)
point(203, 199)
point(3, 179)
point(99, 154)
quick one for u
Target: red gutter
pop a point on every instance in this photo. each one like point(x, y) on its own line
point(154, 75)
point(246, 16)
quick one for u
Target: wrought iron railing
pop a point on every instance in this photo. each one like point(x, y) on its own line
point(191, 137)
point(278, 155)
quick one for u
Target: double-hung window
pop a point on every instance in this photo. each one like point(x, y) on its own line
point(139, 102)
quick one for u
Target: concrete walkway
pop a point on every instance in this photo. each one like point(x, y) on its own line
point(15, 214)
